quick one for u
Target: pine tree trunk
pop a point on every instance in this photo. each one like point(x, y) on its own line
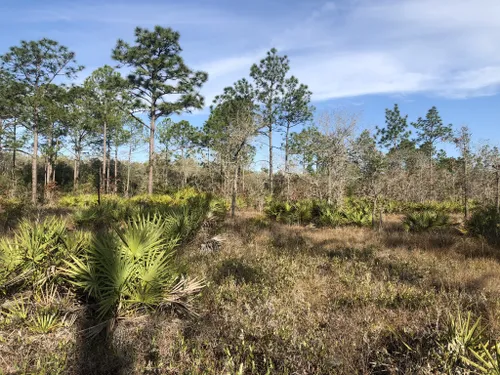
point(234, 190)
point(466, 189)
point(54, 164)
point(75, 175)
point(497, 195)
point(151, 152)
point(222, 175)
point(14, 148)
point(76, 171)
point(3, 166)
point(34, 164)
point(104, 154)
point(243, 180)
point(432, 178)
point(287, 169)
point(270, 136)
point(210, 172)
point(108, 173)
point(167, 161)
point(115, 187)
point(48, 170)
point(127, 189)
point(329, 196)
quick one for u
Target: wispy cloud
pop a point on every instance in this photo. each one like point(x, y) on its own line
point(339, 48)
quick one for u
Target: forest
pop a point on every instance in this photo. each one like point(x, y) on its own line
point(345, 251)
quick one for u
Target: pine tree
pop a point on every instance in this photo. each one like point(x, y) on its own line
point(82, 126)
point(462, 140)
point(159, 74)
point(106, 93)
point(269, 76)
point(430, 130)
point(180, 140)
point(233, 122)
point(36, 64)
point(295, 109)
point(396, 130)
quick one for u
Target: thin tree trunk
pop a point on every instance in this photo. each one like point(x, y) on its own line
point(3, 166)
point(34, 165)
point(14, 148)
point(75, 173)
point(222, 175)
point(466, 189)
point(167, 162)
point(108, 173)
point(48, 169)
point(55, 162)
point(127, 189)
point(243, 180)
point(432, 178)
point(287, 171)
point(234, 191)
point(115, 188)
point(374, 212)
point(270, 136)
point(209, 167)
point(104, 154)
point(151, 152)
point(329, 196)
point(99, 183)
point(497, 195)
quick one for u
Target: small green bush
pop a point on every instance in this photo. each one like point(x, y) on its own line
point(425, 220)
point(98, 217)
point(11, 211)
point(485, 222)
point(132, 268)
point(319, 213)
point(34, 253)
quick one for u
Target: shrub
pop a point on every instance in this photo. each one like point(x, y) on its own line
point(360, 215)
point(397, 207)
point(34, 252)
point(320, 213)
point(132, 268)
point(486, 359)
point(11, 211)
point(326, 215)
point(425, 220)
point(101, 216)
point(485, 222)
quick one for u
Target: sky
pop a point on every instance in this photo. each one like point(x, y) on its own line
point(359, 55)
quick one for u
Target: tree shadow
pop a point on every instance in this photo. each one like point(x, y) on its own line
point(241, 273)
point(100, 354)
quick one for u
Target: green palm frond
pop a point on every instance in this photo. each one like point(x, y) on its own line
point(425, 220)
point(132, 267)
point(33, 252)
point(486, 360)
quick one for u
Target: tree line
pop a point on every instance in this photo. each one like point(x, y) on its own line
point(55, 126)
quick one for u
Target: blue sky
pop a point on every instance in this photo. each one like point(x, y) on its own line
point(363, 55)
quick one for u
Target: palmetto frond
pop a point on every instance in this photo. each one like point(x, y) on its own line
point(34, 250)
point(130, 268)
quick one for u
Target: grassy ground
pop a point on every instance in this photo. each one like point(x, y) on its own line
point(292, 300)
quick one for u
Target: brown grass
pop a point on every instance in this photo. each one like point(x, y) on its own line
point(297, 300)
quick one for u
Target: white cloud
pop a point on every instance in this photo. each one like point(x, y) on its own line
point(339, 48)
point(447, 48)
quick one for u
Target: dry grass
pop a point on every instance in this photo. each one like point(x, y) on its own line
point(295, 300)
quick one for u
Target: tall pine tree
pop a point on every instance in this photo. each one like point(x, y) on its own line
point(269, 77)
point(36, 65)
point(161, 82)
